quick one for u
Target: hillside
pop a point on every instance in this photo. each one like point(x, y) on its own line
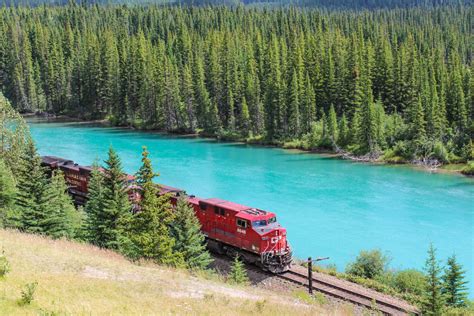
point(80, 279)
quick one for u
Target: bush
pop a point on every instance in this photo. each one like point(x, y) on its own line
point(4, 265)
point(28, 293)
point(469, 169)
point(410, 281)
point(368, 264)
point(403, 149)
point(440, 152)
point(390, 157)
point(238, 274)
point(295, 144)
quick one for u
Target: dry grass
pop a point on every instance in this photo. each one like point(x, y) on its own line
point(76, 279)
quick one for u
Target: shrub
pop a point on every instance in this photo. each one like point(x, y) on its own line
point(295, 144)
point(410, 281)
point(238, 274)
point(402, 149)
point(4, 265)
point(28, 293)
point(469, 169)
point(390, 157)
point(440, 152)
point(368, 264)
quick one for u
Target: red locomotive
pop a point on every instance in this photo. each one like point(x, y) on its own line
point(230, 228)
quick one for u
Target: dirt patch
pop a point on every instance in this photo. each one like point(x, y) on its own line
point(94, 273)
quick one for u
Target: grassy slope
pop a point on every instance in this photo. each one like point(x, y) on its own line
point(81, 279)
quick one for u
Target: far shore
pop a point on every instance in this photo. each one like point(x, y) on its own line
point(445, 169)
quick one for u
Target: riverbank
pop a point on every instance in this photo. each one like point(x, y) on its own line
point(451, 168)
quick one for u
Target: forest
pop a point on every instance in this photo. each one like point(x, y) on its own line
point(330, 4)
point(391, 84)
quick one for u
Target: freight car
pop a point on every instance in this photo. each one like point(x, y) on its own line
point(230, 228)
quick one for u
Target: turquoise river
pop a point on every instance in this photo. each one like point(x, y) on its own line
point(330, 207)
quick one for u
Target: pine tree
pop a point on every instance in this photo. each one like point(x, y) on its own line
point(7, 194)
point(344, 133)
point(367, 127)
point(417, 124)
point(58, 209)
point(31, 183)
point(454, 284)
point(308, 106)
point(245, 118)
point(116, 203)
point(332, 125)
point(294, 107)
point(95, 207)
point(238, 273)
point(14, 136)
point(190, 242)
point(146, 233)
point(433, 300)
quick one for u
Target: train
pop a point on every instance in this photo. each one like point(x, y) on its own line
point(230, 228)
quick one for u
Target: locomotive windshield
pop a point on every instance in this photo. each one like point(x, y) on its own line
point(259, 223)
point(272, 220)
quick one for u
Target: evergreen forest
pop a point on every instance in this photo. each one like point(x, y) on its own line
point(391, 83)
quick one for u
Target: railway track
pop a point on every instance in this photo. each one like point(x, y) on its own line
point(354, 294)
point(339, 289)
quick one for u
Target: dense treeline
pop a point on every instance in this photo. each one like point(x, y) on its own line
point(331, 4)
point(397, 81)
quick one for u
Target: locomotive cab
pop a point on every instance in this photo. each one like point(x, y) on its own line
point(273, 247)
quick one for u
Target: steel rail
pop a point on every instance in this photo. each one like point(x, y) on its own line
point(347, 294)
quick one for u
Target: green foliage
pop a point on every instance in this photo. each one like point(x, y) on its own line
point(410, 281)
point(4, 265)
point(31, 185)
point(454, 284)
point(8, 193)
point(304, 296)
point(281, 72)
point(28, 293)
point(189, 240)
point(14, 135)
point(238, 273)
point(115, 205)
point(58, 209)
point(94, 228)
point(469, 168)
point(440, 153)
point(433, 299)
point(146, 234)
point(368, 264)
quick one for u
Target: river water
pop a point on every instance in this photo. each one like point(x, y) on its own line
point(330, 207)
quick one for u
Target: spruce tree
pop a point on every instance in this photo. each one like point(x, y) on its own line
point(58, 209)
point(245, 118)
point(190, 242)
point(146, 233)
point(454, 284)
point(344, 133)
point(332, 125)
point(116, 203)
point(238, 273)
point(8, 192)
point(31, 183)
point(433, 299)
point(95, 208)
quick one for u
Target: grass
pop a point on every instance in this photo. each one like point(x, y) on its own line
point(81, 279)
